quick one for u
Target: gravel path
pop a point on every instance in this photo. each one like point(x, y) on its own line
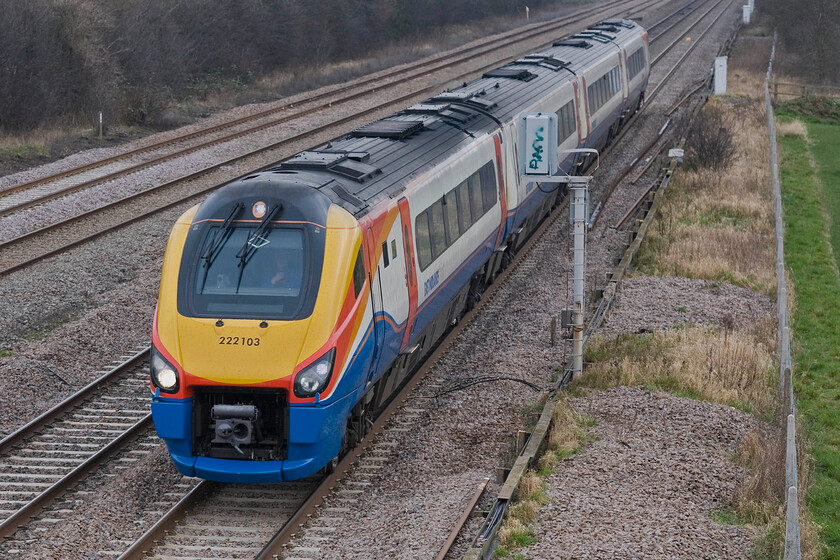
point(645, 487)
point(649, 303)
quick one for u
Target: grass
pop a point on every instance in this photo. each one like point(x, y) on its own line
point(20, 150)
point(736, 368)
point(566, 437)
point(718, 225)
point(726, 517)
point(823, 109)
point(812, 220)
point(50, 324)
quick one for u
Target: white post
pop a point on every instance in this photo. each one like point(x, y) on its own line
point(579, 211)
point(527, 13)
point(720, 75)
point(100, 125)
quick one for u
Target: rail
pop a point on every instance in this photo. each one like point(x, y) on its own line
point(793, 549)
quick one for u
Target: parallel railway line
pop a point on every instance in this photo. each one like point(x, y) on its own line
point(62, 235)
point(290, 503)
point(42, 459)
point(38, 191)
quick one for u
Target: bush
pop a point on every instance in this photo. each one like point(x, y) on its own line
point(710, 143)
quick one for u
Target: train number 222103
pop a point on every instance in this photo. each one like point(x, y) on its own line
point(239, 340)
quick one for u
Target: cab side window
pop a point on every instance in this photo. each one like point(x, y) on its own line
point(359, 273)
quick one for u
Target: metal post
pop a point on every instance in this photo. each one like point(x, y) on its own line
point(579, 217)
point(100, 125)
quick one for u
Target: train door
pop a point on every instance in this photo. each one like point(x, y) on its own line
point(509, 162)
point(503, 195)
point(375, 280)
point(410, 272)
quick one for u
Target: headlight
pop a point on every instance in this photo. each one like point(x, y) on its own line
point(164, 374)
point(315, 377)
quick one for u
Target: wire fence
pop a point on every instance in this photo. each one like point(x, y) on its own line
point(793, 549)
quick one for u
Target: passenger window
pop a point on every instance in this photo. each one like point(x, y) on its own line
point(464, 216)
point(424, 244)
point(566, 124)
point(450, 207)
point(385, 259)
point(488, 186)
point(393, 248)
point(359, 273)
point(476, 203)
point(437, 230)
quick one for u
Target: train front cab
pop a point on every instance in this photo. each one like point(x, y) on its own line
point(260, 356)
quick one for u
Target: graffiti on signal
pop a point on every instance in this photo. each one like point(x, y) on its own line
point(537, 147)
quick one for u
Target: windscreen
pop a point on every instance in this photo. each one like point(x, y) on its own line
point(245, 272)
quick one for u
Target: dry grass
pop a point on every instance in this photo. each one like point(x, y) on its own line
point(795, 128)
point(718, 225)
point(567, 433)
point(806, 465)
point(761, 494)
point(760, 497)
point(748, 66)
point(736, 368)
point(36, 142)
point(565, 437)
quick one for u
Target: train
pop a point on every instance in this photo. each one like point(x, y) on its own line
point(294, 301)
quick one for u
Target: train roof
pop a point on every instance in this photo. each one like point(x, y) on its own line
point(377, 161)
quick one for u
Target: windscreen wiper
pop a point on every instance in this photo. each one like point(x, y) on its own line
point(249, 248)
point(219, 239)
point(223, 235)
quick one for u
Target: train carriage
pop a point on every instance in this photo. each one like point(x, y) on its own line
point(295, 300)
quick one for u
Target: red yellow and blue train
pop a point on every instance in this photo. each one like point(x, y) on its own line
point(295, 300)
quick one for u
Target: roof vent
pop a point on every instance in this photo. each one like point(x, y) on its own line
point(544, 61)
point(616, 23)
point(346, 164)
point(595, 36)
point(577, 43)
point(603, 27)
point(512, 73)
point(388, 128)
point(313, 160)
point(461, 98)
point(346, 196)
point(452, 96)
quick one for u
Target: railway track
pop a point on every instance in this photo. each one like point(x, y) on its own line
point(42, 459)
point(216, 498)
point(57, 236)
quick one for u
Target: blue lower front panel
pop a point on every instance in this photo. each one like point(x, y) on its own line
point(315, 433)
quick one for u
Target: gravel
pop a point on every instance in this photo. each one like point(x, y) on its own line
point(649, 303)
point(644, 488)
